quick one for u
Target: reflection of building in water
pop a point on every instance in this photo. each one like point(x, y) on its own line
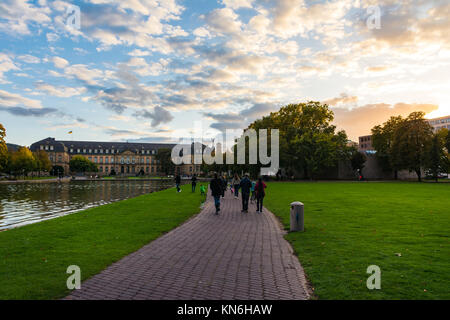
point(123, 157)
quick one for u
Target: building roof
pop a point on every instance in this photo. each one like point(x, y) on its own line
point(64, 145)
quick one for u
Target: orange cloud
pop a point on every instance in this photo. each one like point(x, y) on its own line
point(359, 121)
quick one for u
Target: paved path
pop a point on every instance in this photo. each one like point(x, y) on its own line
point(229, 256)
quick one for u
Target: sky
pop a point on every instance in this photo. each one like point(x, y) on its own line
point(152, 70)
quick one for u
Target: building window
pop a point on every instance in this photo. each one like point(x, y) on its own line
point(95, 150)
point(142, 160)
point(153, 169)
point(100, 159)
point(41, 147)
point(84, 150)
point(100, 169)
point(51, 158)
point(101, 150)
point(90, 158)
point(78, 150)
point(153, 152)
point(59, 158)
point(112, 159)
point(148, 160)
point(46, 147)
point(107, 151)
point(106, 169)
point(146, 169)
point(121, 160)
point(95, 159)
point(106, 160)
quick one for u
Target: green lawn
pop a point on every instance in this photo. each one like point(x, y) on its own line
point(403, 228)
point(34, 258)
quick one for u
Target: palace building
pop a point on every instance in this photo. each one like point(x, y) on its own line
point(125, 158)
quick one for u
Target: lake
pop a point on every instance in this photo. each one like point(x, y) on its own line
point(25, 203)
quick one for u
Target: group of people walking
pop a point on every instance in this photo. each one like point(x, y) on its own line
point(248, 188)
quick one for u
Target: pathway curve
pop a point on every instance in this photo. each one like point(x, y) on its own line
point(210, 257)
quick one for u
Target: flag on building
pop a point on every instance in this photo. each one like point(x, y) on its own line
point(70, 132)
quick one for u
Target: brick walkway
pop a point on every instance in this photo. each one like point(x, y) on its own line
point(229, 256)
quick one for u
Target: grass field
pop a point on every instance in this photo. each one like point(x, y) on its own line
point(34, 258)
point(403, 228)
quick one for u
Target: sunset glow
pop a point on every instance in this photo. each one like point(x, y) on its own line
point(148, 69)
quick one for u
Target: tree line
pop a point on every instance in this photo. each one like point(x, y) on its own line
point(308, 143)
point(22, 161)
point(411, 144)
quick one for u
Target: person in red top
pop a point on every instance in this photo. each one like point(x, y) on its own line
point(260, 193)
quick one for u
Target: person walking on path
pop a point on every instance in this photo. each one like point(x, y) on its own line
point(245, 186)
point(253, 191)
point(236, 182)
point(178, 182)
point(194, 182)
point(216, 191)
point(260, 193)
point(224, 185)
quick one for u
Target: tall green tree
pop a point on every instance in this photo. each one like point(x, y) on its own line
point(382, 142)
point(42, 161)
point(411, 143)
point(447, 141)
point(308, 141)
point(164, 156)
point(22, 161)
point(358, 160)
point(80, 164)
point(3, 149)
point(437, 159)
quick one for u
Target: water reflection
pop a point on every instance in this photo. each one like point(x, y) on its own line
point(26, 203)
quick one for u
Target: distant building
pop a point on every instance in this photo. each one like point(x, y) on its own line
point(365, 145)
point(122, 157)
point(13, 147)
point(439, 123)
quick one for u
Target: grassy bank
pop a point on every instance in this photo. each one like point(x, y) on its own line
point(34, 258)
point(401, 227)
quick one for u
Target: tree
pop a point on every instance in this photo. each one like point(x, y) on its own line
point(437, 159)
point(57, 171)
point(42, 161)
point(164, 156)
point(411, 143)
point(382, 141)
point(3, 149)
point(22, 161)
point(308, 141)
point(447, 141)
point(80, 164)
point(358, 161)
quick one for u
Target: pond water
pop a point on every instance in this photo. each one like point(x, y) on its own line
point(25, 203)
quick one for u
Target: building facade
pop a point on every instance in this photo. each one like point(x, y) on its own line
point(123, 158)
point(365, 145)
point(439, 123)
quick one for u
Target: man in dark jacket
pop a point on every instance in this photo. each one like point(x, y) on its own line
point(245, 186)
point(194, 182)
point(216, 191)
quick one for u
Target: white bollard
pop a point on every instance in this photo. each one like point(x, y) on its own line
point(297, 216)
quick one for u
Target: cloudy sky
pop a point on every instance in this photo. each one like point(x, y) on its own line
point(151, 70)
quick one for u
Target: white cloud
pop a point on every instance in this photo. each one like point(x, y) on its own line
point(59, 62)
point(8, 99)
point(29, 58)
